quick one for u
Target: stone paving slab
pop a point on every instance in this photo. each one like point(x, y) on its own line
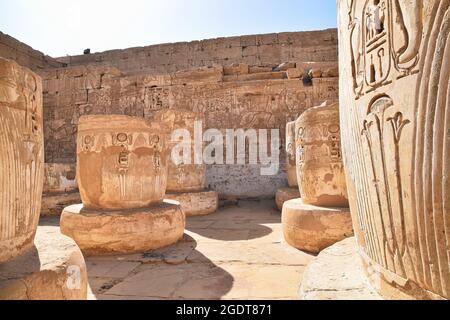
point(236, 253)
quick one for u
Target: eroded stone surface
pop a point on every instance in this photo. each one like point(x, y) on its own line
point(196, 203)
point(312, 228)
point(291, 168)
point(53, 269)
point(103, 232)
point(265, 50)
point(60, 177)
point(320, 170)
point(285, 194)
point(121, 162)
point(21, 157)
point(259, 100)
point(185, 176)
point(60, 188)
point(337, 274)
point(54, 203)
point(396, 142)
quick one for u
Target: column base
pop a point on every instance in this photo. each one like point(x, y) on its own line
point(109, 232)
point(340, 272)
point(196, 203)
point(54, 203)
point(286, 194)
point(337, 274)
point(312, 228)
point(53, 269)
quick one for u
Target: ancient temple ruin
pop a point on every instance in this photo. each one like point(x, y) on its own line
point(309, 165)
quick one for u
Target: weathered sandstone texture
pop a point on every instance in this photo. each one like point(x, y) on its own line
point(121, 163)
point(60, 188)
point(21, 157)
point(320, 170)
point(182, 177)
point(43, 270)
point(26, 56)
point(54, 203)
point(60, 177)
point(311, 228)
point(196, 203)
point(103, 232)
point(337, 274)
point(122, 174)
point(395, 119)
point(321, 217)
point(268, 50)
point(248, 82)
point(291, 168)
point(285, 194)
point(256, 102)
point(53, 269)
point(186, 179)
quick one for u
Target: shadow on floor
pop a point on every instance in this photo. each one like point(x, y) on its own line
point(175, 272)
point(243, 221)
point(50, 221)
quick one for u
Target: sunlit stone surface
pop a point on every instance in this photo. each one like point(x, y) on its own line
point(395, 103)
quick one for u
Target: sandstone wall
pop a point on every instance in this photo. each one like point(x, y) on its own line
point(24, 55)
point(229, 97)
point(247, 82)
point(259, 50)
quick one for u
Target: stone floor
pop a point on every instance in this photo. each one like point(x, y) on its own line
point(236, 253)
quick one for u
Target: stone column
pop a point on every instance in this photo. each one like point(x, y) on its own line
point(29, 268)
point(321, 217)
point(21, 158)
point(122, 165)
point(395, 118)
point(291, 168)
point(186, 181)
point(291, 192)
point(319, 163)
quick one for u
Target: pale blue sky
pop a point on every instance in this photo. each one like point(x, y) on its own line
point(60, 27)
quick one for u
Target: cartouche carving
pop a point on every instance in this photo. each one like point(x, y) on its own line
point(385, 36)
point(395, 147)
point(112, 161)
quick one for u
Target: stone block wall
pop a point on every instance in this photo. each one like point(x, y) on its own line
point(262, 100)
point(24, 55)
point(248, 82)
point(255, 50)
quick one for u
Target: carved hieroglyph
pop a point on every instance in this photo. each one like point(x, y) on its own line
point(290, 155)
point(183, 177)
point(122, 162)
point(395, 120)
point(21, 157)
point(320, 171)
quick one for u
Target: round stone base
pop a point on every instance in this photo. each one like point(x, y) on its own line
point(311, 228)
point(53, 269)
point(337, 274)
point(104, 232)
point(286, 194)
point(196, 203)
point(54, 203)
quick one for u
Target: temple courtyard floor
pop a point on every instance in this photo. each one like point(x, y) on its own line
point(236, 253)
